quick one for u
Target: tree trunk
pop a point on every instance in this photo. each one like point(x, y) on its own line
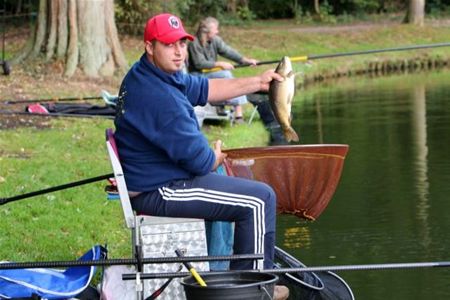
point(112, 35)
point(232, 6)
point(72, 47)
point(62, 29)
point(83, 33)
point(40, 29)
point(18, 7)
point(416, 12)
point(316, 7)
point(51, 42)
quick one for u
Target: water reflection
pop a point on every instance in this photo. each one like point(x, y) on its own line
point(392, 202)
point(419, 130)
point(319, 122)
point(297, 237)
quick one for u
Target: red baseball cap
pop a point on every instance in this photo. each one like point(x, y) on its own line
point(165, 28)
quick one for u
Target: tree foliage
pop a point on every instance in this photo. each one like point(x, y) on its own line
point(101, 56)
point(136, 12)
point(131, 14)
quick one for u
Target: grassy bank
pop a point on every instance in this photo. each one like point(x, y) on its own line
point(276, 41)
point(46, 152)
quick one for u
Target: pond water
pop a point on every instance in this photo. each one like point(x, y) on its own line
point(392, 203)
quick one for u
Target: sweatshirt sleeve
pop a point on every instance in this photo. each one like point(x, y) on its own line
point(197, 88)
point(226, 51)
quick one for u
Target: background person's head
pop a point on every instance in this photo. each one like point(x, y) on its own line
point(166, 42)
point(207, 29)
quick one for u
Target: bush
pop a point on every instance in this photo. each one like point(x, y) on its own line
point(131, 15)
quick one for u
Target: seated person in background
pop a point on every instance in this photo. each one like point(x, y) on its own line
point(203, 53)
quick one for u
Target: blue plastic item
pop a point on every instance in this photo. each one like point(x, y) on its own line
point(49, 283)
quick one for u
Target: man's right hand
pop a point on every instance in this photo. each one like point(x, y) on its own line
point(266, 77)
point(220, 156)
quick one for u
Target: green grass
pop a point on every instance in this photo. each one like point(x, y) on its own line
point(273, 42)
point(64, 224)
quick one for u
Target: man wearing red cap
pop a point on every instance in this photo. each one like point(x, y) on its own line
point(167, 162)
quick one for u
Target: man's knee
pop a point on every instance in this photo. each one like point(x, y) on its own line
point(270, 197)
point(226, 74)
point(220, 74)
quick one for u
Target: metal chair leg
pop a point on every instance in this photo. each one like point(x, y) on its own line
point(253, 114)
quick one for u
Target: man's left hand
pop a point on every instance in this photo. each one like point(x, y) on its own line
point(249, 61)
point(220, 156)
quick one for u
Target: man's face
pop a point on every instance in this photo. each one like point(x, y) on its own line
point(168, 57)
point(213, 30)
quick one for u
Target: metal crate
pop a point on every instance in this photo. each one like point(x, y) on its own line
point(159, 237)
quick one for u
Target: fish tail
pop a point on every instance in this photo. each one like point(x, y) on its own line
point(291, 135)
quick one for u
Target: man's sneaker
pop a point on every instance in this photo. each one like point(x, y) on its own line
point(280, 292)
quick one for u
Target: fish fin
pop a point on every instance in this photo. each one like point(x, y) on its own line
point(291, 135)
point(290, 74)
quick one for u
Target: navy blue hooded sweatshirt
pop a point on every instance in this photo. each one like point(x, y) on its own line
point(157, 133)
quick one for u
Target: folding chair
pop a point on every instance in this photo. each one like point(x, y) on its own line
point(211, 112)
point(157, 236)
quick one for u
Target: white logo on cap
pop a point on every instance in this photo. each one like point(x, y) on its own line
point(173, 22)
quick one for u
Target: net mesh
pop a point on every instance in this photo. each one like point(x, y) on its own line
point(304, 177)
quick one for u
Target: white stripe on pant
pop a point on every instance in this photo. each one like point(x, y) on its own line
point(198, 194)
point(248, 203)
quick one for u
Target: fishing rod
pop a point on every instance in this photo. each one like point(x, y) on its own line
point(55, 188)
point(438, 264)
point(54, 99)
point(8, 112)
point(124, 261)
point(163, 287)
point(191, 269)
point(320, 56)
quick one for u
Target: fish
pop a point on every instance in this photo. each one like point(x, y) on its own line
point(281, 95)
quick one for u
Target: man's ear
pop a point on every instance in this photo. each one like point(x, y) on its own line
point(149, 47)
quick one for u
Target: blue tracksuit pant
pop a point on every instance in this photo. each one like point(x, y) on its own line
point(250, 204)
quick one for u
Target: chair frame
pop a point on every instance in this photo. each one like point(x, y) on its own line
point(134, 222)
